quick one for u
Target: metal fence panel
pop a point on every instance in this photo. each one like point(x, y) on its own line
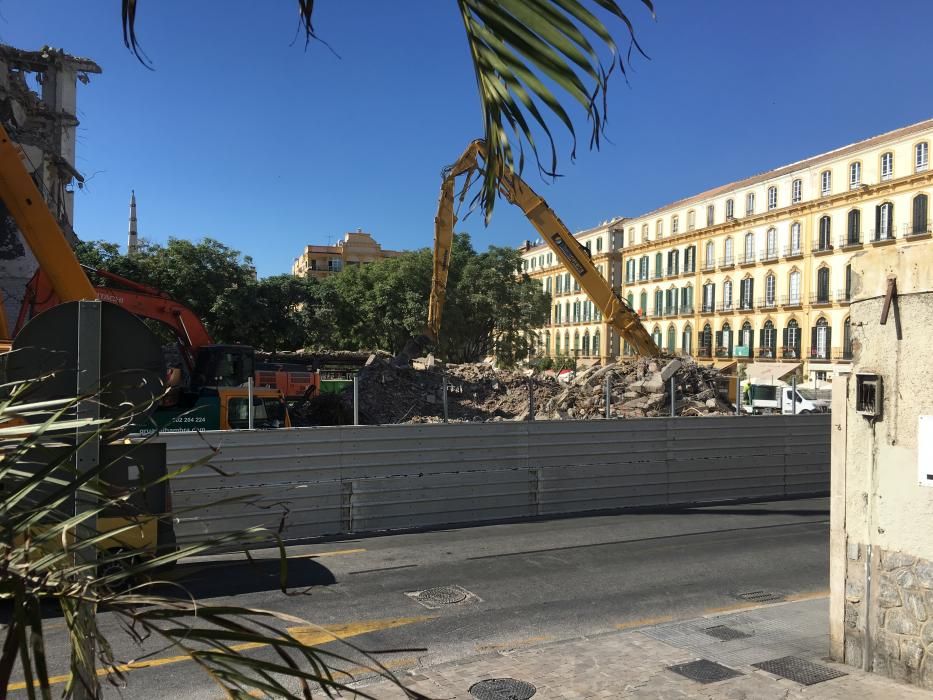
point(311, 482)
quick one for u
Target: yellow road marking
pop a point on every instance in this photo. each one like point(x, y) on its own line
point(335, 553)
point(310, 636)
point(516, 643)
point(644, 622)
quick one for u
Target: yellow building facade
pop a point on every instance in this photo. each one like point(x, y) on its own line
point(757, 270)
point(356, 248)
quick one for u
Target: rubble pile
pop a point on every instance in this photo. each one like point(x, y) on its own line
point(480, 392)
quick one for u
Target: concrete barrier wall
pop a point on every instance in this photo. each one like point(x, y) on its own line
point(310, 482)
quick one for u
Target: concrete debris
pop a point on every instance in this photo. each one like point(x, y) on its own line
point(480, 392)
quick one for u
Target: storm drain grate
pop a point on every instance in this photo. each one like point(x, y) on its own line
point(704, 671)
point(725, 633)
point(441, 596)
point(799, 670)
point(760, 596)
point(502, 689)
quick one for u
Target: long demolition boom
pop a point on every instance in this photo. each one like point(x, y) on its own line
point(574, 257)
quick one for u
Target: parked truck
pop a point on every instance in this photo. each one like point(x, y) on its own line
point(779, 397)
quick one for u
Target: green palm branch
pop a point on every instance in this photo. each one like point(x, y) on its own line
point(527, 54)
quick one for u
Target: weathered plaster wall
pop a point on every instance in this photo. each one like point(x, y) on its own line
point(882, 524)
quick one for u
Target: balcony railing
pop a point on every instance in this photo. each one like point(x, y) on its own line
point(790, 353)
point(748, 305)
point(844, 354)
point(707, 309)
point(792, 301)
point(767, 303)
point(658, 275)
point(851, 240)
point(917, 229)
point(673, 273)
point(709, 266)
point(792, 252)
point(704, 351)
point(822, 247)
point(769, 255)
point(766, 353)
point(881, 236)
point(818, 299)
point(725, 307)
point(723, 351)
point(748, 259)
point(727, 262)
point(819, 355)
point(686, 310)
point(844, 296)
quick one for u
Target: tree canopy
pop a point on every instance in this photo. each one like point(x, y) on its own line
point(492, 307)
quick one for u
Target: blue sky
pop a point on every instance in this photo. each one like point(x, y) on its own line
point(245, 136)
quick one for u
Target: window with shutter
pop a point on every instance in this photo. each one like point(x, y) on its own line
point(769, 290)
point(854, 227)
point(795, 238)
point(920, 224)
point(824, 233)
point(797, 191)
point(887, 166)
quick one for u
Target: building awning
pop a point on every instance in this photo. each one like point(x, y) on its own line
point(769, 371)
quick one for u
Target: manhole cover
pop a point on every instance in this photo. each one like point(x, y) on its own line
point(799, 670)
point(704, 671)
point(761, 596)
point(725, 633)
point(502, 689)
point(442, 596)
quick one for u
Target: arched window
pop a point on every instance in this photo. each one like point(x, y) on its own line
point(659, 228)
point(567, 316)
point(824, 242)
point(730, 209)
point(855, 175)
point(884, 221)
point(690, 259)
point(631, 299)
point(686, 299)
point(686, 340)
point(727, 295)
point(921, 156)
point(921, 224)
point(792, 340)
point(576, 342)
point(794, 238)
point(747, 338)
point(547, 285)
point(826, 182)
point(749, 248)
point(656, 336)
point(557, 344)
point(887, 165)
point(822, 285)
point(796, 189)
point(643, 303)
point(586, 344)
point(658, 302)
point(772, 197)
point(599, 244)
point(749, 203)
point(820, 341)
point(854, 227)
point(675, 224)
point(547, 342)
point(724, 341)
point(644, 233)
point(658, 264)
point(710, 254)
point(770, 284)
point(597, 348)
point(673, 263)
point(709, 297)
point(847, 340)
point(727, 257)
point(671, 339)
point(793, 287)
point(771, 251)
point(706, 341)
point(768, 341)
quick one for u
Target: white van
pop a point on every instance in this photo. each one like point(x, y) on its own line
point(779, 398)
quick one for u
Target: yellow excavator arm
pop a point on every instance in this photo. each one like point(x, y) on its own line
point(574, 257)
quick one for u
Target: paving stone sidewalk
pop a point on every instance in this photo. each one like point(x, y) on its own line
point(634, 663)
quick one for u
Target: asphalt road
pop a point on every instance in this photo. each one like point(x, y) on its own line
point(528, 583)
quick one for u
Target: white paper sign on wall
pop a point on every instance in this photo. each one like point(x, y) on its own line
point(925, 451)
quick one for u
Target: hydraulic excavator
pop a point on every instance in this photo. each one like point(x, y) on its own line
point(574, 257)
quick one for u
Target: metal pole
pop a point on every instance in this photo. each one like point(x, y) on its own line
point(444, 396)
point(793, 396)
point(608, 397)
point(87, 458)
point(249, 395)
point(673, 399)
point(356, 399)
point(531, 399)
point(738, 396)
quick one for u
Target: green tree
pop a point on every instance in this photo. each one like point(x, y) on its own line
point(523, 51)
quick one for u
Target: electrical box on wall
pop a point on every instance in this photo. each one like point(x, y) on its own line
point(869, 397)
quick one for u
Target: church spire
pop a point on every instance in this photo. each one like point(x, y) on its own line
point(132, 243)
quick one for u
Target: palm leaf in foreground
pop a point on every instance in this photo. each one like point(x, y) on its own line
point(43, 558)
point(526, 54)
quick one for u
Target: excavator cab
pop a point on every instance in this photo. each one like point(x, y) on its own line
point(222, 366)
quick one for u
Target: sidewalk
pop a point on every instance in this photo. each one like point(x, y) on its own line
point(635, 663)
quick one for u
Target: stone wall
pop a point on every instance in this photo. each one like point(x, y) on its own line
point(889, 614)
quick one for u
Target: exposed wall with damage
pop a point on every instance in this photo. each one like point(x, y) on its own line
point(882, 503)
point(38, 106)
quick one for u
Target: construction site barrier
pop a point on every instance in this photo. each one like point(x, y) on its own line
point(312, 482)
